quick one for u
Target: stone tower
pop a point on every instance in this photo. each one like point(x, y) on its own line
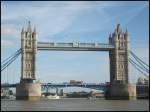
point(28, 89)
point(119, 56)
point(29, 49)
point(120, 87)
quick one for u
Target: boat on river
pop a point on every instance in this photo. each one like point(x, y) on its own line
point(53, 97)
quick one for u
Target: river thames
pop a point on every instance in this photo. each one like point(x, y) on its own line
point(75, 104)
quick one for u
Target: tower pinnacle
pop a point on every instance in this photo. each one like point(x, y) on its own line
point(29, 27)
point(115, 32)
point(34, 29)
point(126, 32)
point(118, 28)
point(22, 30)
point(110, 35)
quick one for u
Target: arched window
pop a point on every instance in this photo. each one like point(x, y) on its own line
point(122, 44)
point(26, 66)
point(30, 65)
point(29, 74)
point(26, 42)
point(26, 34)
point(26, 74)
point(31, 44)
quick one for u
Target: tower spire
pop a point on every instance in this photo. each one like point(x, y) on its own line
point(126, 32)
point(29, 27)
point(22, 31)
point(115, 32)
point(34, 29)
point(109, 35)
point(118, 28)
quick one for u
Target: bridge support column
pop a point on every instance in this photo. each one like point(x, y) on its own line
point(28, 91)
point(122, 91)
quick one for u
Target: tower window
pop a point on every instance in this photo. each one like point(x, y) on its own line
point(26, 66)
point(29, 75)
point(122, 44)
point(26, 74)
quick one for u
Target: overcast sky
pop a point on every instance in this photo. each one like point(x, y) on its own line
point(70, 21)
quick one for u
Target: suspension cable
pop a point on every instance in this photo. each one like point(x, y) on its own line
point(18, 52)
point(10, 61)
point(137, 68)
point(138, 59)
point(139, 65)
point(5, 64)
point(11, 55)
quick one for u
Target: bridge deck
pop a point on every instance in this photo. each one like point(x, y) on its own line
point(74, 46)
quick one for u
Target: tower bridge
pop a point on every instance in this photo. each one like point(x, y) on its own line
point(118, 54)
point(117, 46)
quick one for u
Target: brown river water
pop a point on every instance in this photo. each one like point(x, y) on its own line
point(78, 104)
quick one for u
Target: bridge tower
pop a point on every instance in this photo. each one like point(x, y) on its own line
point(119, 56)
point(28, 89)
point(119, 65)
point(29, 48)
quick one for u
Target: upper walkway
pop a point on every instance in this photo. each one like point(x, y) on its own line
point(74, 46)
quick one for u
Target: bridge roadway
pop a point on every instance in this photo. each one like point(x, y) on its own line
point(74, 46)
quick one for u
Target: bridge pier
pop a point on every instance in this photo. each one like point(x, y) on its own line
point(28, 91)
point(121, 92)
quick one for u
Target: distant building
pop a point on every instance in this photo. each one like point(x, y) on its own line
point(142, 80)
point(76, 82)
point(142, 88)
point(6, 92)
